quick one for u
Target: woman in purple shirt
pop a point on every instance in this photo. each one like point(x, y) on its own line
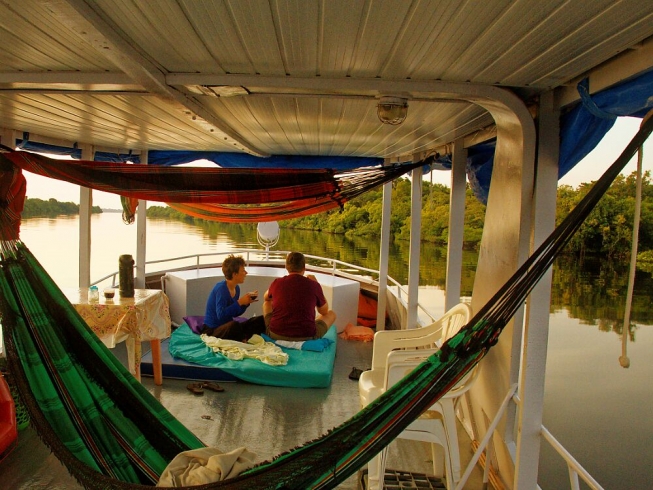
point(224, 304)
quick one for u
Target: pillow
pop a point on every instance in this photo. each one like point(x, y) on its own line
point(366, 306)
point(195, 323)
point(315, 345)
point(366, 322)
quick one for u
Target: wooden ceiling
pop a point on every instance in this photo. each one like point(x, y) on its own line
point(293, 76)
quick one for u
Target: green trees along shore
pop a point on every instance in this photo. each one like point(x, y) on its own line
point(38, 208)
point(607, 231)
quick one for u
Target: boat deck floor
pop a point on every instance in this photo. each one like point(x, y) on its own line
point(266, 420)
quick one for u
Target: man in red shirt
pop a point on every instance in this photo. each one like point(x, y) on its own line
point(289, 304)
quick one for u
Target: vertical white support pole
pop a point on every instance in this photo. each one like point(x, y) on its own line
point(384, 254)
point(456, 225)
point(141, 233)
point(139, 279)
point(415, 238)
point(536, 329)
point(85, 204)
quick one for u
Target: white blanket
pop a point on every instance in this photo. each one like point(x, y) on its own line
point(205, 465)
point(255, 348)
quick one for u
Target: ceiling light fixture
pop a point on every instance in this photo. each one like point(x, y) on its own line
point(392, 110)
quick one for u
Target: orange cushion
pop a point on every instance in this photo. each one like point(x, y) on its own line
point(366, 306)
point(366, 322)
point(351, 332)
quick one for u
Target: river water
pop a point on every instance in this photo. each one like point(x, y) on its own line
point(599, 410)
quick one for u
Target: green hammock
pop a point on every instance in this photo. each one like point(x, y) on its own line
point(111, 433)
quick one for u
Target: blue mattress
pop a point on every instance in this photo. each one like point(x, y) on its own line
point(305, 369)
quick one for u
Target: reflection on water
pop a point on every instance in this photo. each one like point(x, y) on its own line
point(591, 290)
point(597, 409)
point(594, 291)
point(361, 251)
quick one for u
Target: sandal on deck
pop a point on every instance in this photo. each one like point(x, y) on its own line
point(195, 388)
point(212, 386)
point(355, 373)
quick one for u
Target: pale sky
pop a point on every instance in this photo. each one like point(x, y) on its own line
point(589, 169)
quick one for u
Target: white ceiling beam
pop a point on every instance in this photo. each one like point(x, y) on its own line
point(69, 78)
point(39, 138)
point(417, 90)
point(372, 88)
point(73, 91)
point(627, 64)
point(102, 34)
point(492, 98)
point(366, 87)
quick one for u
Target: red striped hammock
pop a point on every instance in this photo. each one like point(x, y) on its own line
point(218, 194)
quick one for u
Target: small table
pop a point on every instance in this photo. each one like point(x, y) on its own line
point(145, 317)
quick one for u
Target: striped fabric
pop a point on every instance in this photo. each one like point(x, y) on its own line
point(84, 398)
point(206, 185)
point(256, 214)
point(219, 194)
point(12, 198)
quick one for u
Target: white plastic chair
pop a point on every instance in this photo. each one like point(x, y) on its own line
point(395, 354)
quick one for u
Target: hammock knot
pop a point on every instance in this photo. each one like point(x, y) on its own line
point(494, 338)
point(480, 341)
point(446, 352)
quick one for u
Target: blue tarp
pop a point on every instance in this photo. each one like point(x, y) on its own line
point(581, 129)
point(243, 160)
point(100, 156)
point(223, 159)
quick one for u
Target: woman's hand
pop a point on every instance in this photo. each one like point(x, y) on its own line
point(248, 298)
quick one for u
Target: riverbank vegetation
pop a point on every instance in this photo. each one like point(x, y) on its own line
point(38, 208)
point(607, 231)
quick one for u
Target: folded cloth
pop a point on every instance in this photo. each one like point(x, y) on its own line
point(288, 344)
point(205, 465)
point(255, 348)
point(351, 332)
point(315, 345)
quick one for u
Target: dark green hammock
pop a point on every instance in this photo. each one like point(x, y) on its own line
point(111, 433)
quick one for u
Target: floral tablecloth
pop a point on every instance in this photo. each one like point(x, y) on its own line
point(146, 316)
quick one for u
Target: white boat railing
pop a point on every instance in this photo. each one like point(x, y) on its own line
point(484, 443)
point(573, 466)
point(255, 257)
